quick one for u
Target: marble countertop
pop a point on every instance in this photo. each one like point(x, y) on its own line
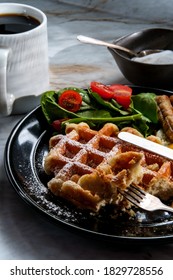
point(23, 233)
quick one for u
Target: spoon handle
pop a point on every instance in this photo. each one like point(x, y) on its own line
point(89, 40)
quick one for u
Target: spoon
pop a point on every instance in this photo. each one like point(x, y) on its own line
point(89, 40)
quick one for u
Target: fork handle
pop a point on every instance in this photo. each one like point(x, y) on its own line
point(166, 208)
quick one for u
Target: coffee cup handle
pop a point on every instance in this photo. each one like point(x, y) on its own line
point(6, 100)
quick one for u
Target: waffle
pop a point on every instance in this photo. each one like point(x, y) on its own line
point(89, 167)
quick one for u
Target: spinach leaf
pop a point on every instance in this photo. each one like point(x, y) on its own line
point(146, 104)
point(94, 114)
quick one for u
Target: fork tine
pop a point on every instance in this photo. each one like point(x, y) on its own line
point(136, 192)
point(133, 195)
point(129, 197)
point(138, 189)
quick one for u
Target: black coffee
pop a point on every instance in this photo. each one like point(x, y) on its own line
point(14, 23)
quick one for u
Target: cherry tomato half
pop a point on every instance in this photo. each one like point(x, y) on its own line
point(104, 91)
point(122, 94)
point(57, 124)
point(70, 100)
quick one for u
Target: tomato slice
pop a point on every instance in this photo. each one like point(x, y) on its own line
point(122, 94)
point(70, 100)
point(104, 91)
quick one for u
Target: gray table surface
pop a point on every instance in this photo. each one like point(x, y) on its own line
point(23, 233)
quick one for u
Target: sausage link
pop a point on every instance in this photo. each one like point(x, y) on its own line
point(171, 99)
point(165, 113)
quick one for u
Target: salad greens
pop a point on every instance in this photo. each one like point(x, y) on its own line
point(94, 110)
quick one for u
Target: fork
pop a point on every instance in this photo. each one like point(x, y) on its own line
point(144, 200)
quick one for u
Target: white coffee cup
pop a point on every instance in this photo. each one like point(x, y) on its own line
point(24, 71)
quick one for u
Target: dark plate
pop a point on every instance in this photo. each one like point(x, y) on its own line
point(25, 150)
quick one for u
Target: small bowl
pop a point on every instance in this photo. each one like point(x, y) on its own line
point(144, 74)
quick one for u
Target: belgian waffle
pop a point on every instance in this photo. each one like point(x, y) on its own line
point(88, 167)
